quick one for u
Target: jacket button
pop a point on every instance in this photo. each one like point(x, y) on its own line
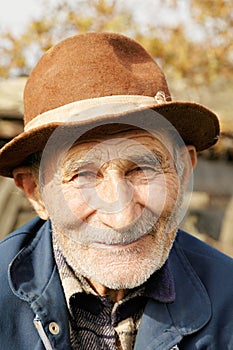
point(54, 328)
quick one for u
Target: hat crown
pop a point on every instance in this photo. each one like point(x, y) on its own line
point(89, 66)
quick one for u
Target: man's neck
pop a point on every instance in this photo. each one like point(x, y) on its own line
point(114, 295)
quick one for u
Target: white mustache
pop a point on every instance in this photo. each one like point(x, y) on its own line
point(87, 234)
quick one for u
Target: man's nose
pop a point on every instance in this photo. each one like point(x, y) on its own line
point(117, 204)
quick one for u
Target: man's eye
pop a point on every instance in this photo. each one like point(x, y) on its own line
point(147, 170)
point(84, 177)
point(85, 174)
point(144, 172)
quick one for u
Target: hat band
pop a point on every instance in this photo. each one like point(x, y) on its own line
point(73, 111)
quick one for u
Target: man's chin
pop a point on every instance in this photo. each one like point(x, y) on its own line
point(118, 266)
point(124, 266)
point(123, 276)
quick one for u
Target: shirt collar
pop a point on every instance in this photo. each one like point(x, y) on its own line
point(160, 286)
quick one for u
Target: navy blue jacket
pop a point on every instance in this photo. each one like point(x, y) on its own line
point(33, 313)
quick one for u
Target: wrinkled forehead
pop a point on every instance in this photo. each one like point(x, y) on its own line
point(120, 141)
point(116, 130)
point(106, 143)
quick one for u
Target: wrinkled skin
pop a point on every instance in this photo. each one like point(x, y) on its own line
point(113, 206)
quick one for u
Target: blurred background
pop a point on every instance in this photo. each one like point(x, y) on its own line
point(192, 40)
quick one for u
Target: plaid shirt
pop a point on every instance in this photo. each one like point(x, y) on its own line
point(97, 322)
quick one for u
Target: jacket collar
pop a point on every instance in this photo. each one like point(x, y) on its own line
point(164, 325)
point(31, 269)
point(33, 277)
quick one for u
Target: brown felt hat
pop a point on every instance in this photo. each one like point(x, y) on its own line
point(94, 69)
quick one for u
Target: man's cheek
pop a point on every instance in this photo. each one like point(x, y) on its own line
point(173, 193)
point(77, 203)
point(160, 196)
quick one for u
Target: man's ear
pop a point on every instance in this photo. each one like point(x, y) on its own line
point(189, 159)
point(25, 180)
point(193, 155)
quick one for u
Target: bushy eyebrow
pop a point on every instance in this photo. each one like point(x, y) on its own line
point(72, 165)
point(152, 157)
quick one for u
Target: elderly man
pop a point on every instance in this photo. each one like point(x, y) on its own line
point(105, 159)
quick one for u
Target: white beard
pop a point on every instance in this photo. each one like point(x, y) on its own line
point(122, 266)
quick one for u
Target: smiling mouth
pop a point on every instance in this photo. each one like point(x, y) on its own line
point(102, 245)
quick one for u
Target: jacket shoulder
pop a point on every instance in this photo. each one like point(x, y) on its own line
point(211, 270)
point(195, 247)
point(16, 240)
point(212, 266)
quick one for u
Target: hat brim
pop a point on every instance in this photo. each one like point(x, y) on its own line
point(196, 125)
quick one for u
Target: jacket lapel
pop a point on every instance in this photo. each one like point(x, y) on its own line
point(164, 325)
point(33, 277)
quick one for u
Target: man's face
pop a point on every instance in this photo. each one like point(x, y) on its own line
point(113, 206)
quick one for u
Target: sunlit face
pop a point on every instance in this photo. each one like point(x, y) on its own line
point(113, 205)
